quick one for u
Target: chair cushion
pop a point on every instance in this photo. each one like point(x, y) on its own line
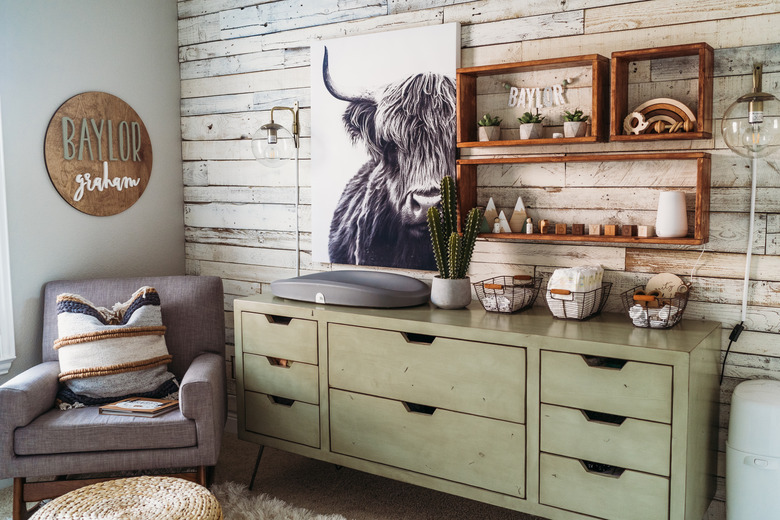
point(106, 355)
point(85, 430)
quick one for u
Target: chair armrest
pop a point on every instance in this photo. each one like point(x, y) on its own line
point(203, 391)
point(203, 398)
point(28, 395)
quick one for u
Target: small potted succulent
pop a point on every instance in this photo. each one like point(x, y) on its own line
point(574, 123)
point(451, 288)
point(489, 128)
point(531, 125)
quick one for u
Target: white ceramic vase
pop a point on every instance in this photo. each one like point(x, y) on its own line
point(531, 131)
point(671, 220)
point(575, 128)
point(489, 133)
point(450, 293)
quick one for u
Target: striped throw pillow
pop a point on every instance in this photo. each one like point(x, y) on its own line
point(109, 354)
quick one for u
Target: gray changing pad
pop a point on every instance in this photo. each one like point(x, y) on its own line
point(354, 288)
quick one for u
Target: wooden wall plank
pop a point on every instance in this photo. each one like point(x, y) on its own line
point(250, 82)
point(663, 13)
point(708, 264)
point(292, 14)
point(526, 28)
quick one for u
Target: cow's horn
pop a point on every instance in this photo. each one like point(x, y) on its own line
point(329, 82)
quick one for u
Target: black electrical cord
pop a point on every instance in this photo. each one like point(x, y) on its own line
point(734, 336)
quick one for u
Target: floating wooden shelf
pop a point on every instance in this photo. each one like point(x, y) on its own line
point(467, 99)
point(467, 194)
point(619, 90)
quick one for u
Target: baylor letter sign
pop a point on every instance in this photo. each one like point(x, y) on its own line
point(98, 153)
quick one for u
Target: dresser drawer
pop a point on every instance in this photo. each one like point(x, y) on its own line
point(279, 336)
point(296, 421)
point(567, 483)
point(481, 452)
point(618, 441)
point(628, 388)
point(297, 381)
point(465, 376)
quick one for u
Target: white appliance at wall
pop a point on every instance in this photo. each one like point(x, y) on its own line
point(751, 128)
point(383, 135)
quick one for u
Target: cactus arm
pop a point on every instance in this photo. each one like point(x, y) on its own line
point(455, 254)
point(473, 221)
point(448, 206)
point(437, 241)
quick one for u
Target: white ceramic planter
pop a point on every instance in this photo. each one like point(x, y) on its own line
point(671, 219)
point(531, 131)
point(575, 128)
point(450, 293)
point(489, 133)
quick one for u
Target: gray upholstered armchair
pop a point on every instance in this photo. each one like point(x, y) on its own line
point(38, 440)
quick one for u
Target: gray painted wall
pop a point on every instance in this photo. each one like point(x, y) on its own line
point(50, 51)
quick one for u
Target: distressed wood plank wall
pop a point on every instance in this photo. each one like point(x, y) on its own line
point(239, 58)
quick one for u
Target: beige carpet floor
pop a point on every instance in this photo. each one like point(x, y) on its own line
point(323, 489)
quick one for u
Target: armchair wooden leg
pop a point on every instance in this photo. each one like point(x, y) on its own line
point(19, 506)
point(202, 477)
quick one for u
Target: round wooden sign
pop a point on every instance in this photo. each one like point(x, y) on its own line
point(98, 153)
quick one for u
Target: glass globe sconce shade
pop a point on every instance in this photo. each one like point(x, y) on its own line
point(751, 125)
point(273, 144)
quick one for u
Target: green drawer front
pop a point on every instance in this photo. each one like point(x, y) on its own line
point(633, 444)
point(279, 336)
point(465, 376)
point(567, 484)
point(477, 451)
point(639, 390)
point(298, 422)
point(297, 381)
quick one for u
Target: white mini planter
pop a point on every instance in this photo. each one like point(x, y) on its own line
point(489, 133)
point(575, 128)
point(450, 293)
point(531, 130)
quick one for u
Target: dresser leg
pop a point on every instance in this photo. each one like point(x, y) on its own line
point(257, 463)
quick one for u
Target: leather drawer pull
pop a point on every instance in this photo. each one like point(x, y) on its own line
point(419, 408)
point(283, 401)
point(604, 470)
point(602, 417)
point(422, 339)
point(278, 320)
point(563, 292)
point(604, 362)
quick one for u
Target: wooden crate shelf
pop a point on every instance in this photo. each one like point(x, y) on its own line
point(619, 90)
point(467, 99)
point(467, 194)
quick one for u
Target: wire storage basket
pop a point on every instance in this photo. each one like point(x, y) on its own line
point(574, 305)
point(508, 293)
point(653, 310)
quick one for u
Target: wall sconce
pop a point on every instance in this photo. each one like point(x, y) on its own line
point(751, 128)
point(273, 145)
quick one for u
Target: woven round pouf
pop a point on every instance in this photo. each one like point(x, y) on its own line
point(137, 498)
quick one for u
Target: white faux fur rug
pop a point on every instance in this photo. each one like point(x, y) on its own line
point(238, 503)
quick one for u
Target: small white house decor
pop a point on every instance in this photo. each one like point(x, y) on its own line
point(98, 153)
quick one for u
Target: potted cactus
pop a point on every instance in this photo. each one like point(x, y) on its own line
point(531, 125)
point(489, 128)
point(574, 123)
point(451, 288)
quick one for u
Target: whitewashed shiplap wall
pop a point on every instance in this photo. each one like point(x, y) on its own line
point(241, 57)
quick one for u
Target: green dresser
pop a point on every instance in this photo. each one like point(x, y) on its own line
point(556, 418)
